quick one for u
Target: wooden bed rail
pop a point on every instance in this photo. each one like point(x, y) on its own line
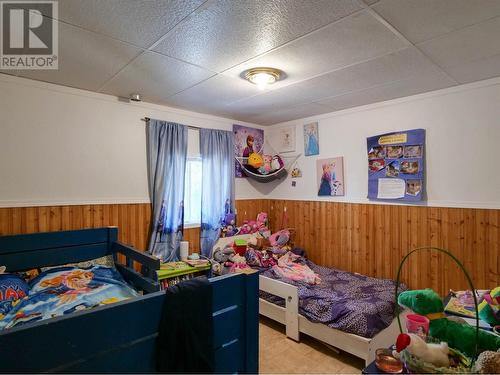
point(290, 294)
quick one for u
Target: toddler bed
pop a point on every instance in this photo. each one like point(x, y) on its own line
point(328, 311)
point(120, 334)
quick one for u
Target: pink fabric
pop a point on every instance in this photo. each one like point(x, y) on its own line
point(287, 268)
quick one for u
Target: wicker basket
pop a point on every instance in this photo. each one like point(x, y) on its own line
point(415, 364)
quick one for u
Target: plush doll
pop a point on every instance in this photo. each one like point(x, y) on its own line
point(223, 255)
point(277, 163)
point(459, 336)
point(437, 354)
point(489, 308)
point(254, 226)
point(245, 228)
point(266, 167)
point(262, 222)
point(255, 160)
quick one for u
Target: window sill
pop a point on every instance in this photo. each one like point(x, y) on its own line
point(192, 225)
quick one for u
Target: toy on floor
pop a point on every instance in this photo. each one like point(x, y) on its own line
point(488, 362)
point(459, 336)
point(436, 354)
point(489, 308)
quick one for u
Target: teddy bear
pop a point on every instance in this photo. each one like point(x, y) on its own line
point(459, 336)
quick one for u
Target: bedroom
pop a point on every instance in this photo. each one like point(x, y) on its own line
point(78, 150)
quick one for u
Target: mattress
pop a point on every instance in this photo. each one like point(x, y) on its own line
point(347, 301)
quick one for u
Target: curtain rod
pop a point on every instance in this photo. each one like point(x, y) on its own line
point(145, 119)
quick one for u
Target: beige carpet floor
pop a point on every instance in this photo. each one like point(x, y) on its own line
point(280, 355)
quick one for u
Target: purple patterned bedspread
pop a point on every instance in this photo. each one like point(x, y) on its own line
point(346, 301)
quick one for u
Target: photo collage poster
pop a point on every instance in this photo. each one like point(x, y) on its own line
point(396, 166)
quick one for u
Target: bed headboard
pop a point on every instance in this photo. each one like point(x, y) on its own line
point(22, 252)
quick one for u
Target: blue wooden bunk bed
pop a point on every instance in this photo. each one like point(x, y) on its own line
point(120, 337)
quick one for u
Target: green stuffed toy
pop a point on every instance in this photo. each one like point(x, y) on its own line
point(458, 336)
point(489, 308)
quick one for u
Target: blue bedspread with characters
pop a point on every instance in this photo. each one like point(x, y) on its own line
point(63, 290)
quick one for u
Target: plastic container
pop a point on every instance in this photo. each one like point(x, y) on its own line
point(240, 247)
point(417, 324)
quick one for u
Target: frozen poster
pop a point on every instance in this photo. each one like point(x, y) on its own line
point(311, 139)
point(330, 175)
point(246, 141)
point(396, 166)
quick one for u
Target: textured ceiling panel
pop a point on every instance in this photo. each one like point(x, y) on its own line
point(473, 43)
point(156, 77)
point(140, 22)
point(370, 2)
point(86, 59)
point(420, 20)
point(214, 94)
point(392, 90)
point(351, 40)
point(476, 70)
point(287, 114)
point(397, 66)
point(227, 32)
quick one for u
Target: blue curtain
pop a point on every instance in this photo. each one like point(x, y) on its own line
point(217, 155)
point(167, 151)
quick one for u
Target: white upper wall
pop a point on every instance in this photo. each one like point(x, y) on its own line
point(462, 137)
point(60, 145)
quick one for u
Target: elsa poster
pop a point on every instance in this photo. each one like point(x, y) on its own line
point(311, 139)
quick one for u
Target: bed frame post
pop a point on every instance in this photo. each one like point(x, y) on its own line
point(252, 321)
point(291, 295)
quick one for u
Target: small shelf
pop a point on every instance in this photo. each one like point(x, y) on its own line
point(174, 269)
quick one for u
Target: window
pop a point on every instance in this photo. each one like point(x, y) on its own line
point(192, 192)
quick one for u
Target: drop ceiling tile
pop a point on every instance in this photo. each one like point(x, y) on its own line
point(351, 40)
point(140, 22)
point(394, 67)
point(214, 93)
point(86, 59)
point(155, 77)
point(292, 113)
point(370, 2)
point(420, 20)
point(393, 90)
point(464, 46)
point(476, 70)
point(228, 32)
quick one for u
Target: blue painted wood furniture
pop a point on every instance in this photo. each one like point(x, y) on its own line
point(120, 337)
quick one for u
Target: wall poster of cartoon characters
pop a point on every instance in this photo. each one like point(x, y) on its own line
point(311, 139)
point(330, 174)
point(396, 166)
point(246, 141)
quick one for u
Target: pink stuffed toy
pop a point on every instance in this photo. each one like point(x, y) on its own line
point(266, 167)
point(263, 224)
point(245, 228)
point(254, 226)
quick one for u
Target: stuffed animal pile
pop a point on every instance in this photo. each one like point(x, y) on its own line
point(264, 164)
point(260, 225)
point(458, 336)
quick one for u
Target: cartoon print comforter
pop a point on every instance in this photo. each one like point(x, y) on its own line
point(63, 290)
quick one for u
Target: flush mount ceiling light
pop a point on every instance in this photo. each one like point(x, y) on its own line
point(263, 76)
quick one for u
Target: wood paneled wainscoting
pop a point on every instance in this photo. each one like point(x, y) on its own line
point(367, 238)
point(372, 239)
point(132, 220)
